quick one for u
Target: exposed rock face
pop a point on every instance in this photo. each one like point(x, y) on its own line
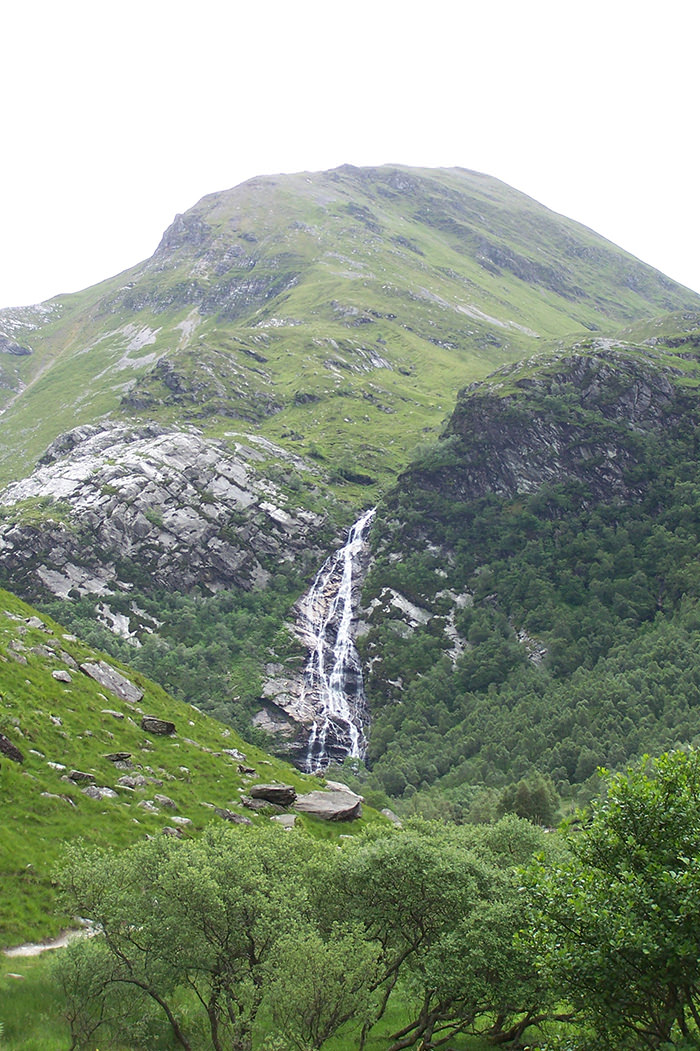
point(9, 346)
point(152, 506)
point(575, 420)
point(113, 681)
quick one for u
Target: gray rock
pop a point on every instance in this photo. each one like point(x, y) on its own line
point(395, 820)
point(160, 727)
point(177, 820)
point(10, 750)
point(165, 801)
point(137, 781)
point(282, 795)
point(115, 715)
point(80, 775)
point(117, 757)
point(330, 806)
point(113, 681)
point(285, 820)
point(99, 792)
point(61, 676)
point(228, 815)
point(255, 804)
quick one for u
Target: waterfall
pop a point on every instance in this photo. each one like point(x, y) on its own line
point(333, 676)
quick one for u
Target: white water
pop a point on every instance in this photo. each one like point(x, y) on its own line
point(333, 675)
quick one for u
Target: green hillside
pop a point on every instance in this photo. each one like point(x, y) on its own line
point(72, 723)
point(335, 312)
point(533, 605)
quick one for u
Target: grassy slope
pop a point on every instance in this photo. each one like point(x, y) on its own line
point(195, 773)
point(443, 274)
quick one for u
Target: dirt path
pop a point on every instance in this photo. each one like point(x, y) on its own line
point(36, 948)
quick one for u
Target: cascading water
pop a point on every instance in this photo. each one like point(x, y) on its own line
point(333, 675)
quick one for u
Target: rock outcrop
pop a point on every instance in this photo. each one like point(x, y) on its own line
point(113, 681)
point(146, 506)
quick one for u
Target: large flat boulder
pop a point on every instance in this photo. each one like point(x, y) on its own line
point(282, 795)
point(331, 806)
point(113, 681)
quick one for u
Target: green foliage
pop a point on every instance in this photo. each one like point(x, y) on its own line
point(227, 940)
point(579, 638)
point(617, 923)
point(63, 726)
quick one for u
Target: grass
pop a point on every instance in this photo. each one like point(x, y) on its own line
point(69, 724)
point(444, 279)
point(31, 1008)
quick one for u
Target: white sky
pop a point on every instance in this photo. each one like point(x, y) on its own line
point(115, 116)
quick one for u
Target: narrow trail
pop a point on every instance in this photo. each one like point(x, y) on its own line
point(37, 948)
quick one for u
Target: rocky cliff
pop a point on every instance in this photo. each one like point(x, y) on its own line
point(109, 507)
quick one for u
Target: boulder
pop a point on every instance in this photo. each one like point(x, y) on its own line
point(330, 806)
point(160, 727)
point(282, 795)
point(61, 676)
point(99, 792)
point(10, 750)
point(112, 680)
point(80, 775)
point(117, 757)
point(165, 801)
point(228, 815)
point(285, 820)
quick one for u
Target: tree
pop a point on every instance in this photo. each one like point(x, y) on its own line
point(618, 922)
point(319, 986)
point(443, 905)
point(193, 923)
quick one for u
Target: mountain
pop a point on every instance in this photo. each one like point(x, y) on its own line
point(185, 443)
point(533, 600)
point(340, 310)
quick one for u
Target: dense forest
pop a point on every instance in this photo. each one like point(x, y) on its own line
point(579, 615)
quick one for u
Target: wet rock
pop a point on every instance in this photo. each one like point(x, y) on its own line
point(282, 795)
point(160, 727)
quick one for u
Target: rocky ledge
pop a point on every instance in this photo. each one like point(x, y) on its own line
point(112, 506)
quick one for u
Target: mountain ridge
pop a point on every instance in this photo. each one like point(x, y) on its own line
point(300, 340)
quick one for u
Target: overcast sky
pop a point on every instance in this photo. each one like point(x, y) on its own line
point(116, 116)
